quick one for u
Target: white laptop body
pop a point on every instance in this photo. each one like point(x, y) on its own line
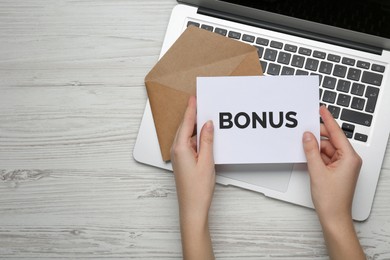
point(286, 182)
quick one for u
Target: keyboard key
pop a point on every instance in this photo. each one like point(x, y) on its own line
point(348, 61)
point(263, 65)
point(234, 35)
point(193, 24)
point(273, 69)
point(260, 51)
point(329, 82)
point(284, 57)
point(335, 111)
point(248, 38)
point(319, 54)
point(207, 27)
point(339, 71)
point(311, 64)
point(329, 96)
point(304, 51)
point(354, 74)
point(262, 41)
point(343, 85)
point(343, 100)
point(378, 68)
point(334, 58)
point(270, 54)
point(358, 89)
point(361, 137)
point(348, 127)
point(372, 78)
point(301, 72)
point(298, 61)
point(220, 31)
point(287, 71)
point(325, 67)
point(358, 103)
point(372, 96)
point(363, 64)
point(276, 44)
point(356, 117)
point(348, 134)
point(290, 48)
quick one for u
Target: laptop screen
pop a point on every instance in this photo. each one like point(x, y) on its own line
point(365, 16)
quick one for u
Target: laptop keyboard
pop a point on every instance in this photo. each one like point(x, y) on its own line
point(349, 87)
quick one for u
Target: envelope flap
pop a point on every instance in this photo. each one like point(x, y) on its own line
point(246, 68)
point(185, 54)
point(186, 79)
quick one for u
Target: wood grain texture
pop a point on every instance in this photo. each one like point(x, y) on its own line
point(71, 101)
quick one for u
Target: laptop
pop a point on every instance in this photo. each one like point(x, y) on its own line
point(347, 44)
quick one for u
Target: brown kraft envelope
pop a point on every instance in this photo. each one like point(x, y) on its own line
point(172, 80)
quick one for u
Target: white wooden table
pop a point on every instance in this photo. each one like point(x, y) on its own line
point(71, 101)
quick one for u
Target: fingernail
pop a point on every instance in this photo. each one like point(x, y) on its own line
point(209, 125)
point(307, 137)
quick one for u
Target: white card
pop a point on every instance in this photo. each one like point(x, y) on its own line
point(259, 119)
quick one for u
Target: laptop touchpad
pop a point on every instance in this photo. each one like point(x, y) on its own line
point(269, 176)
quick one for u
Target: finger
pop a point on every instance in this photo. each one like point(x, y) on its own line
point(182, 142)
point(325, 159)
point(327, 148)
point(312, 153)
point(323, 131)
point(336, 135)
point(206, 142)
point(186, 128)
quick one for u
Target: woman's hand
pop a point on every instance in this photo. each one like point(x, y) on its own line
point(195, 181)
point(334, 170)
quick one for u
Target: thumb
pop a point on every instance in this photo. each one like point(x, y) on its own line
point(312, 153)
point(206, 143)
